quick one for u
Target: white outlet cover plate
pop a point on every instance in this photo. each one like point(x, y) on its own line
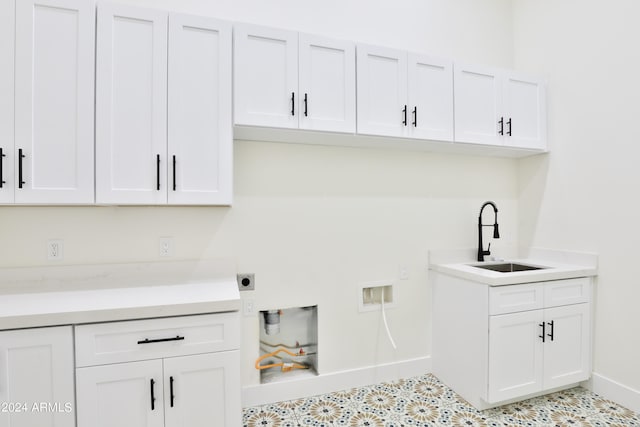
point(55, 249)
point(165, 248)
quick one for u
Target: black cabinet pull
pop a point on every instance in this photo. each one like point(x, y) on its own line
point(551, 334)
point(509, 123)
point(501, 123)
point(20, 157)
point(148, 341)
point(542, 336)
point(404, 111)
point(153, 397)
point(158, 172)
point(171, 396)
point(174, 172)
point(305, 105)
point(415, 116)
point(2, 156)
point(293, 103)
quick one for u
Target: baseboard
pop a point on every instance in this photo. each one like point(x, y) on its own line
point(612, 390)
point(264, 394)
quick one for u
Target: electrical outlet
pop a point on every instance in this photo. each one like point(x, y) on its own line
point(55, 250)
point(249, 307)
point(166, 247)
point(246, 282)
point(403, 272)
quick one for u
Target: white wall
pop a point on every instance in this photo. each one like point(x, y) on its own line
point(584, 196)
point(314, 222)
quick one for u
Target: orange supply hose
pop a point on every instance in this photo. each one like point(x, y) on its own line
point(285, 366)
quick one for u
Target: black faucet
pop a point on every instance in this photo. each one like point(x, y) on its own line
point(496, 234)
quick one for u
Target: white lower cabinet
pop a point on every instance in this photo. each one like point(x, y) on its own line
point(499, 344)
point(36, 378)
point(120, 394)
point(202, 390)
point(532, 350)
point(538, 350)
point(175, 372)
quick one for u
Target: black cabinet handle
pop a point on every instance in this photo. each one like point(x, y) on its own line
point(158, 172)
point(509, 123)
point(293, 103)
point(174, 173)
point(148, 341)
point(305, 105)
point(2, 156)
point(501, 123)
point(542, 336)
point(551, 334)
point(20, 157)
point(415, 116)
point(153, 397)
point(171, 396)
point(404, 111)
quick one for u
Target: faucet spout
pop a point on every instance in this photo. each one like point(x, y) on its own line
point(496, 233)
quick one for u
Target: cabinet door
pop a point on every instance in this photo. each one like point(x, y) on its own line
point(567, 348)
point(200, 141)
point(54, 103)
point(121, 395)
point(525, 112)
point(327, 71)
point(382, 91)
point(430, 98)
point(7, 45)
point(203, 390)
point(131, 105)
point(515, 355)
point(478, 105)
point(265, 76)
point(36, 367)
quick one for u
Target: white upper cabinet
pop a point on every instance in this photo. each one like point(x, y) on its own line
point(382, 91)
point(403, 94)
point(286, 80)
point(200, 140)
point(327, 86)
point(430, 98)
point(131, 105)
point(478, 105)
point(7, 49)
point(46, 91)
point(525, 111)
point(498, 107)
point(163, 108)
point(265, 76)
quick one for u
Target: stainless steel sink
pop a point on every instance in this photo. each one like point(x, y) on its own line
point(508, 267)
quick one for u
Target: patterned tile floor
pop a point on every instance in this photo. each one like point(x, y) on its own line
point(425, 402)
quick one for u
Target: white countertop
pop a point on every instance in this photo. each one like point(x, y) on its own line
point(42, 306)
point(558, 265)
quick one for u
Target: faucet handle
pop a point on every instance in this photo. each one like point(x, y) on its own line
point(488, 251)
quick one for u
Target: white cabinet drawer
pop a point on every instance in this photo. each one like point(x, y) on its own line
point(514, 298)
point(565, 292)
point(115, 342)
